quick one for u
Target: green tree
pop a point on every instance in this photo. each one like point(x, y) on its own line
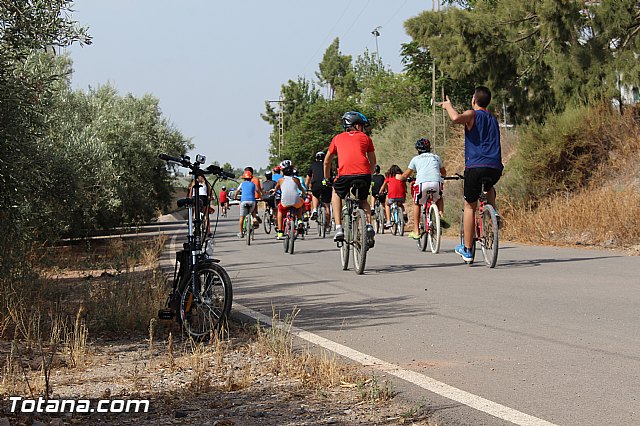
point(336, 72)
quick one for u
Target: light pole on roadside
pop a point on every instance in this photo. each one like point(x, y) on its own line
point(280, 123)
point(376, 34)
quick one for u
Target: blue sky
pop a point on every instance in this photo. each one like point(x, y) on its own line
point(212, 64)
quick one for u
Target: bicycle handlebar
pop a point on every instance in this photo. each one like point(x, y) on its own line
point(185, 161)
point(456, 176)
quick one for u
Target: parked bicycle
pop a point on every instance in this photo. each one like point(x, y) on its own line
point(354, 222)
point(201, 293)
point(485, 227)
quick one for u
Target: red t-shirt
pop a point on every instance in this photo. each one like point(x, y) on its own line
point(352, 149)
point(397, 188)
point(223, 197)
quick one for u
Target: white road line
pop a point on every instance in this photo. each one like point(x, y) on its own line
point(425, 382)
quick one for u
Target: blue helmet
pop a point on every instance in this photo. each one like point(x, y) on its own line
point(351, 118)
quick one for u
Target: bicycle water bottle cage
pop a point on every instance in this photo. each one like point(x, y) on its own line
point(182, 202)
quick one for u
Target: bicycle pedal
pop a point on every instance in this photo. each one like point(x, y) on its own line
point(166, 314)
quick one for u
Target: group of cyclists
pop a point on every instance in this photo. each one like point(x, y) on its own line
point(284, 190)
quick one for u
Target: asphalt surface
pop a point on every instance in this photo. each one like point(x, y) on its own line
point(550, 332)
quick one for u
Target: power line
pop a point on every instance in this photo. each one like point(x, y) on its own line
point(324, 41)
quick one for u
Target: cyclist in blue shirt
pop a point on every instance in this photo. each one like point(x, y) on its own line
point(247, 192)
point(482, 158)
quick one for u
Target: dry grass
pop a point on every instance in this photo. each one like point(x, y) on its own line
point(601, 216)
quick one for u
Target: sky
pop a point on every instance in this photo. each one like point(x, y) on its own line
point(213, 64)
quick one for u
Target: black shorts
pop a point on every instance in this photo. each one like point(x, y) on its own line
point(361, 189)
point(473, 179)
point(270, 202)
point(321, 192)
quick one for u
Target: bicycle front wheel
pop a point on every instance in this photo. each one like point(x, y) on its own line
point(344, 249)
point(359, 241)
point(206, 312)
point(285, 239)
point(434, 229)
point(489, 237)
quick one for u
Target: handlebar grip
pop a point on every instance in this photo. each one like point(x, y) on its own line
point(166, 157)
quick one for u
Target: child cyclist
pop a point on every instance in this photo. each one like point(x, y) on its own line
point(429, 172)
point(397, 192)
point(223, 200)
point(290, 189)
point(247, 192)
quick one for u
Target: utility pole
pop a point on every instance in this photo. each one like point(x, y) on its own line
point(280, 102)
point(433, 85)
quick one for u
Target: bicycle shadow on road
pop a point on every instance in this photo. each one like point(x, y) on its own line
point(528, 263)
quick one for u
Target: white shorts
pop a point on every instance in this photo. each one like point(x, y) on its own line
point(422, 190)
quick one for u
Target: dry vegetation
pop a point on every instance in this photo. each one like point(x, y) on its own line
point(87, 330)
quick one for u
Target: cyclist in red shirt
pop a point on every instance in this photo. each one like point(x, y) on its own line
point(397, 192)
point(356, 162)
point(223, 200)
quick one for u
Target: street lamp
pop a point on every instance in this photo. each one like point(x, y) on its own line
point(376, 34)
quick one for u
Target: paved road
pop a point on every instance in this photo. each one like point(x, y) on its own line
point(550, 333)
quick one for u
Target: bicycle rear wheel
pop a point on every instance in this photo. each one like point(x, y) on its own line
point(394, 220)
point(423, 226)
point(292, 235)
point(285, 239)
point(266, 221)
point(360, 247)
point(344, 249)
point(322, 221)
point(473, 244)
point(489, 237)
point(247, 229)
point(434, 229)
point(203, 314)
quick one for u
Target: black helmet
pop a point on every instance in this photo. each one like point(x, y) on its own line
point(423, 145)
point(377, 168)
point(224, 187)
point(320, 156)
point(351, 118)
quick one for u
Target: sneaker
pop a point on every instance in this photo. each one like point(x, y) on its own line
point(240, 235)
point(314, 215)
point(338, 236)
point(387, 225)
point(405, 218)
point(500, 221)
point(414, 235)
point(258, 219)
point(371, 233)
point(279, 235)
point(465, 253)
point(444, 224)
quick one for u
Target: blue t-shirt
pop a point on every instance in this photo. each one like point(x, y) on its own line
point(482, 142)
point(248, 189)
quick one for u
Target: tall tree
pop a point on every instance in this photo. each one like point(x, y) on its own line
point(336, 72)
